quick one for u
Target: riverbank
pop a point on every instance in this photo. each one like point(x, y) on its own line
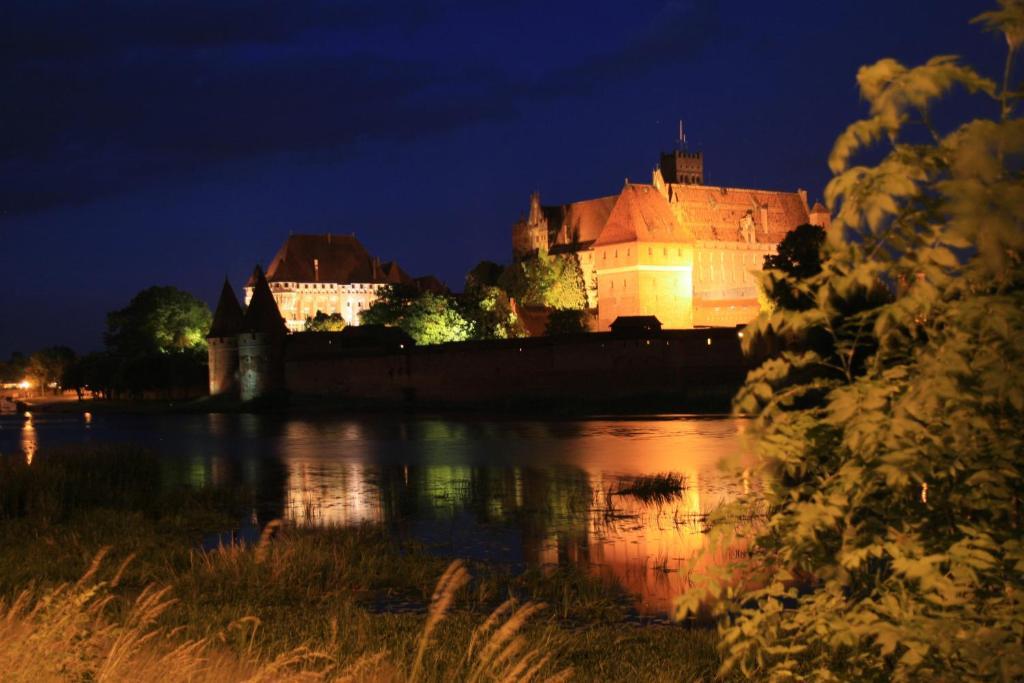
point(349, 596)
point(312, 405)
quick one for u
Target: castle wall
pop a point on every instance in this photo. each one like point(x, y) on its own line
point(725, 286)
point(682, 369)
point(222, 353)
point(645, 278)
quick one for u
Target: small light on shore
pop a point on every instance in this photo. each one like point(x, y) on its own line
point(88, 417)
point(709, 341)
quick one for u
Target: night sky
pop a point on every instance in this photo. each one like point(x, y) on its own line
point(148, 143)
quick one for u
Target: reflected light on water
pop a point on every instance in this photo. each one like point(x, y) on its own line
point(29, 438)
point(516, 491)
point(562, 508)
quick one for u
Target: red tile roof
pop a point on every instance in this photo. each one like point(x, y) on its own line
point(324, 258)
point(581, 221)
point(642, 214)
point(714, 213)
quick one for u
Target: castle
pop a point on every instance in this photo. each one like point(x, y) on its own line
point(676, 248)
point(332, 274)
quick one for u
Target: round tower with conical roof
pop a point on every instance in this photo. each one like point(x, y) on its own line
point(222, 343)
point(261, 344)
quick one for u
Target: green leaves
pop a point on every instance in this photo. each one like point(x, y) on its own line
point(888, 410)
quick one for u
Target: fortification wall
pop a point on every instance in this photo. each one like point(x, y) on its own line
point(677, 370)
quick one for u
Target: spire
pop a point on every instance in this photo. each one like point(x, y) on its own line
point(227, 319)
point(263, 314)
point(534, 208)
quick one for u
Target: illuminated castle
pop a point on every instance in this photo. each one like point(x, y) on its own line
point(332, 274)
point(675, 248)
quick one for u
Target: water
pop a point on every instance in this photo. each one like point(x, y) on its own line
point(513, 491)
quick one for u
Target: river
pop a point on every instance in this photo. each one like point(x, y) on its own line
point(516, 491)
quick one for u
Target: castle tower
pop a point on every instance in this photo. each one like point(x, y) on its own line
point(261, 343)
point(820, 216)
point(531, 234)
point(222, 343)
point(683, 168)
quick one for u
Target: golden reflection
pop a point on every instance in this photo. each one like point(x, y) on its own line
point(29, 439)
point(564, 502)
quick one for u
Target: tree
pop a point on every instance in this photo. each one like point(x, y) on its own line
point(893, 547)
point(484, 274)
point(798, 258)
point(435, 319)
point(47, 366)
point(427, 318)
point(566, 321)
point(390, 306)
point(546, 281)
point(491, 313)
point(159, 319)
point(322, 322)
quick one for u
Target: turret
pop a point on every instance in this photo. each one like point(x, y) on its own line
point(261, 343)
point(820, 216)
point(222, 343)
point(531, 234)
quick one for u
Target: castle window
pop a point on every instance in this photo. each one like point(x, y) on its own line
point(664, 251)
point(650, 251)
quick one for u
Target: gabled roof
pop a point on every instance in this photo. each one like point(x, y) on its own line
point(819, 208)
point(323, 258)
point(262, 314)
point(642, 214)
point(582, 221)
point(715, 213)
point(227, 319)
point(393, 274)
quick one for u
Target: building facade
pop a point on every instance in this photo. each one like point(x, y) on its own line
point(676, 249)
point(332, 274)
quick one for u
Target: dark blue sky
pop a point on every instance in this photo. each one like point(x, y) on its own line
point(147, 142)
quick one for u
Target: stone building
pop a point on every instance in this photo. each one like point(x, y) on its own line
point(676, 249)
point(330, 274)
point(222, 343)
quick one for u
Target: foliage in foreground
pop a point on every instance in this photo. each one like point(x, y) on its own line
point(892, 425)
point(85, 631)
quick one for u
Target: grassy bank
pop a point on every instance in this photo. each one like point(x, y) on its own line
point(324, 603)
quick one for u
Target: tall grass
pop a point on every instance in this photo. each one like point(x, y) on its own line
point(76, 631)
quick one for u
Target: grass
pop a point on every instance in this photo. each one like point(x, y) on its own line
point(302, 604)
point(653, 488)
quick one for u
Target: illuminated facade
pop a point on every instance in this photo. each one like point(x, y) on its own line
point(332, 274)
point(677, 249)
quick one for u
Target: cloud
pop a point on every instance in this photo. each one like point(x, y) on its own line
point(109, 97)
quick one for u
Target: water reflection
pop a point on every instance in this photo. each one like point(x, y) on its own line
point(29, 440)
point(515, 491)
